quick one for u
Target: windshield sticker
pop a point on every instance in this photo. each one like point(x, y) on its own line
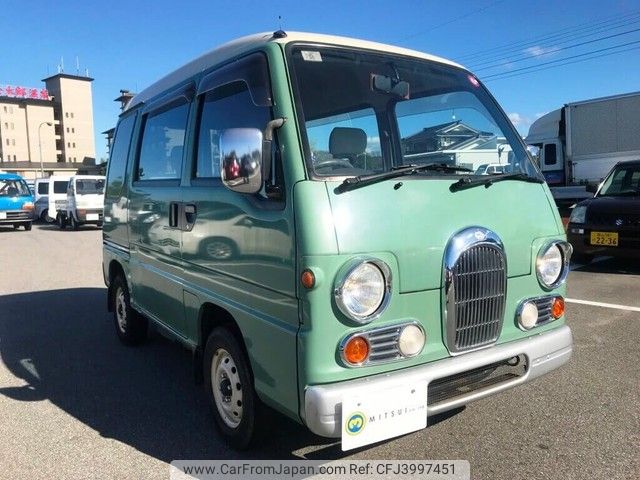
point(311, 56)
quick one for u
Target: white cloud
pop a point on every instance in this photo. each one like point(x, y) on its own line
point(538, 51)
point(516, 118)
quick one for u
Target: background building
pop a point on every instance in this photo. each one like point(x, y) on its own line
point(52, 124)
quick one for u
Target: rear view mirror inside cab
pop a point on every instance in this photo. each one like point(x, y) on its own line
point(384, 84)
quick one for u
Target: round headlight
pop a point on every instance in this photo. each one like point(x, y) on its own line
point(528, 315)
point(552, 264)
point(363, 290)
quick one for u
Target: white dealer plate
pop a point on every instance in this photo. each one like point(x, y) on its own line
point(3, 215)
point(376, 416)
point(92, 216)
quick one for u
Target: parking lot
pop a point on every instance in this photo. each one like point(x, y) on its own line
point(75, 403)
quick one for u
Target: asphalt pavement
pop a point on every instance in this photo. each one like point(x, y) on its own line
point(75, 403)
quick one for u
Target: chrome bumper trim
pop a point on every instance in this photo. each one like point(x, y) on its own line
point(545, 352)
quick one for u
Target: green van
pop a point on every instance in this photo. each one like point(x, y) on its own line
point(307, 214)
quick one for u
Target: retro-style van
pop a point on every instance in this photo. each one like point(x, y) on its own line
point(297, 210)
point(85, 202)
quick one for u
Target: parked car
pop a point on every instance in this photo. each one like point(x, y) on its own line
point(609, 223)
point(41, 198)
point(254, 214)
point(16, 202)
point(85, 202)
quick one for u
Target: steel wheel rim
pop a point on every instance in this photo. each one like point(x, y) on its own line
point(220, 250)
point(227, 388)
point(121, 310)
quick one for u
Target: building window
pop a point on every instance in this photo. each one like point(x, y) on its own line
point(8, 142)
point(6, 125)
point(74, 144)
point(68, 144)
point(12, 126)
point(73, 130)
point(67, 129)
point(5, 109)
point(13, 142)
point(66, 114)
point(71, 114)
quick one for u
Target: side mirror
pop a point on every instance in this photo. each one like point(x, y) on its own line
point(592, 188)
point(241, 159)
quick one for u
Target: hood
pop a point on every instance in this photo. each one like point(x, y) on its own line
point(415, 218)
point(608, 210)
point(90, 201)
point(14, 203)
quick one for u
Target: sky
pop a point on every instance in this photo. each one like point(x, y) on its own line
point(129, 45)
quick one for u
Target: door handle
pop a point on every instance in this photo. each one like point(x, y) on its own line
point(189, 214)
point(174, 208)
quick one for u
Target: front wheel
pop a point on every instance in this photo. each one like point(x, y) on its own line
point(131, 327)
point(229, 385)
point(27, 226)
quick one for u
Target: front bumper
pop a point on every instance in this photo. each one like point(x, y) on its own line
point(83, 215)
point(579, 236)
point(544, 352)
point(16, 216)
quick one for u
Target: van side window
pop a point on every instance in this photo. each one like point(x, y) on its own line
point(162, 144)
point(230, 106)
point(43, 188)
point(119, 153)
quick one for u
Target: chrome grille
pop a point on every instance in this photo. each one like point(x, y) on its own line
point(475, 290)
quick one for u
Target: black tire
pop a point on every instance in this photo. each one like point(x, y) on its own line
point(62, 222)
point(220, 343)
point(44, 215)
point(131, 327)
point(27, 226)
point(74, 223)
point(16, 226)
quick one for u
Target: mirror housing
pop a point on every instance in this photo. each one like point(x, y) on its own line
point(591, 187)
point(241, 159)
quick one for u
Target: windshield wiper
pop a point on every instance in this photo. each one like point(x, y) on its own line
point(395, 172)
point(465, 183)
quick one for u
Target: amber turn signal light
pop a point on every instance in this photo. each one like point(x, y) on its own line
point(308, 279)
point(557, 309)
point(356, 350)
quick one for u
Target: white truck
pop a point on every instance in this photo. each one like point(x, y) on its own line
point(85, 202)
point(579, 143)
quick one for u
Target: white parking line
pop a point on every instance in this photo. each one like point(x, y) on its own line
point(605, 305)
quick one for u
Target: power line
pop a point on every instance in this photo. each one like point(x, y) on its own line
point(555, 43)
point(510, 73)
point(600, 24)
point(529, 57)
point(505, 76)
point(455, 19)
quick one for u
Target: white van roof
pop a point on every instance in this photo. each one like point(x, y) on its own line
point(251, 42)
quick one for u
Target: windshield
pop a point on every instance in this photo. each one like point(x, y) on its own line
point(624, 180)
point(366, 113)
point(90, 186)
point(13, 188)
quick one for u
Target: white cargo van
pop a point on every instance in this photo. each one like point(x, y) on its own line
point(57, 197)
point(41, 198)
point(85, 202)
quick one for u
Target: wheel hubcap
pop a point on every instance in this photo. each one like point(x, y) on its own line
point(227, 388)
point(219, 250)
point(121, 311)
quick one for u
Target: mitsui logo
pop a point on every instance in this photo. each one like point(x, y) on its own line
point(355, 423)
